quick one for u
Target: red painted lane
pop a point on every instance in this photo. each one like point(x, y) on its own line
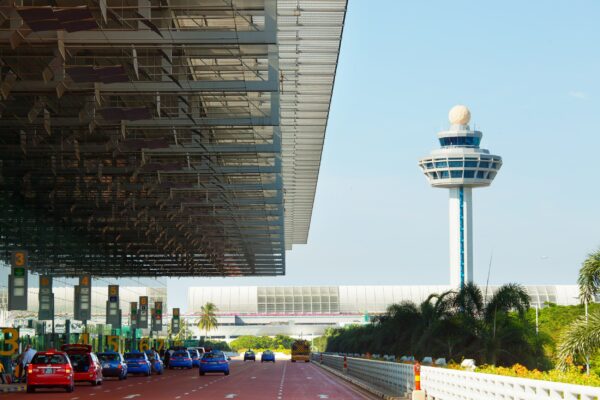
point(248, 381)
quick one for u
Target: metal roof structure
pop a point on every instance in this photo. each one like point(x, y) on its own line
point(163, 137)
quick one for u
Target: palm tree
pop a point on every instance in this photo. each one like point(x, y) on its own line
point(208, 319)
point(583, 336)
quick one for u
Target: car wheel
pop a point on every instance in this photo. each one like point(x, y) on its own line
point(226, 372)
point(121, 377)
point(202, 373)
point(170, 367)
point(94, 383)
point(99, 382)
point(70, 388)
point(30, 389)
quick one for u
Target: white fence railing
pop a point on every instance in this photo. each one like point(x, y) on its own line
point(450, 384)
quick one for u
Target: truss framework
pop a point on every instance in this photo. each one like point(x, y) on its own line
point(162, 138)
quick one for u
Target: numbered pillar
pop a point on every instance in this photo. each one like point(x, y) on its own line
point(17, 281)
point(113, 312)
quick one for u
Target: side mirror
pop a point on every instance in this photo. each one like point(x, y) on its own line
point(228, 358)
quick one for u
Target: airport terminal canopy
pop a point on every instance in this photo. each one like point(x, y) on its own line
point(163, 137)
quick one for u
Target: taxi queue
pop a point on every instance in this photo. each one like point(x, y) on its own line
point(76, 363)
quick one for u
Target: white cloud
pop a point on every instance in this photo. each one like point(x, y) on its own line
point(577, 94)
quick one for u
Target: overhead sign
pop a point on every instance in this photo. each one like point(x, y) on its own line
point(142, 316)
point(46, 299)
point(175, 327)
point(17, 281)
point(113, 312)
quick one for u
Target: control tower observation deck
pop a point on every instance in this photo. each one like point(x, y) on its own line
point(460, 165)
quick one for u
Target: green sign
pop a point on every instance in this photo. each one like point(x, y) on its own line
point(19, 271)
point(190, 343)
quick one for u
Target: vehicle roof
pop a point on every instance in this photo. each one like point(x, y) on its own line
point(51, 351)
point(76, 348)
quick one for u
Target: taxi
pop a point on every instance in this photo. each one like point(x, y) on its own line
point(155, 361)
point(86, 365)
point(50, 369)
point(113, 364)
point(180, 359)
point(195, 357)
point(215, 361)
point(267, 355)
point(138, 363)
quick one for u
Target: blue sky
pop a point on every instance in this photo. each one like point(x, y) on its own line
point(529, 73)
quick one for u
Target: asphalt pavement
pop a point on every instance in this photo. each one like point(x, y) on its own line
point(282, 380)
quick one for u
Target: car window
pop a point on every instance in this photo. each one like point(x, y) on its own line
point(150, 355)
point(81, 362)
point(181, 354)
point(134, 356)
point(193, 353)
point(109, 357)
point(213, 356)
point(49, 359)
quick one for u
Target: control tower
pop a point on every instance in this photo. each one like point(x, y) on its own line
point(460, 165)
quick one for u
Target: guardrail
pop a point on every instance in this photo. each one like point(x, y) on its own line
point(451, 384)
point(396, 379)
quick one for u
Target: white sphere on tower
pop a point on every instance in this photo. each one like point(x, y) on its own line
point(459, 115)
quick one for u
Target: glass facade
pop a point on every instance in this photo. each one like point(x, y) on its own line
point(298, 299)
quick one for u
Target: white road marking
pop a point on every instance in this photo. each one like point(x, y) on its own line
point(131, 396)
point(252, 377)
point(74, 398)
point(323, 396)
point(309, 377)
point(231, 396)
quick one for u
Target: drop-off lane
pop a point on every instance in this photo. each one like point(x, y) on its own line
point(251, 380)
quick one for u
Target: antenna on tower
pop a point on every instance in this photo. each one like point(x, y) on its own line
point(487, 282)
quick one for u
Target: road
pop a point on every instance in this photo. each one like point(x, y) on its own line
point(283, 380)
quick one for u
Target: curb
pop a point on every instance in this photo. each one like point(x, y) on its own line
point(12, 388)
point(359, 383)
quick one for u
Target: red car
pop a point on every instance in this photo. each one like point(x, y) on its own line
point(86, 365)
point(49, 369)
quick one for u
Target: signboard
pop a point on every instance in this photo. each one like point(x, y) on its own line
point(144, 344)
point(11, 342)
point(17, 281)
point(175, 327)
point(83, 298)
point(142, 316)
point(113, 312)
point(46, 299)
point(133, 312)
point(158, 313)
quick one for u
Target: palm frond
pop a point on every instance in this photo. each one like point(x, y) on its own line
point(589, 278)
point(509, 297)
point(581, 338)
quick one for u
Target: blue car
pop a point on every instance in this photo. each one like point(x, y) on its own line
point(138, 363)
point(155, 361)
point(195, 357)
point(214, 362)
point(180, 359)
point(113, 364)
point(267, 355)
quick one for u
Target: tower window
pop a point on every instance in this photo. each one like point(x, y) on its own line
point(455, 164)
point(456, 174)
point(484, 164)
point(443, 174)
point(472, 164)
point(480, 175)
point(469, 174)
point(441, 164)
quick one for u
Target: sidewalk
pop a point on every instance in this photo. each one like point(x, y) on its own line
point(13, 387)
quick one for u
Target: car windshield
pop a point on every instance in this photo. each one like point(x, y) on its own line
point(150, 355)
point(109, 357)
point(81, 362)
point(193, 353)
point(249, 352)
point(268, 352)
point(49, 359)
point(181, 354)
point(213, 356)
point(134, 356)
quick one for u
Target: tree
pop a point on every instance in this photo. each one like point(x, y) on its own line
point(583, 337)
point(208, 318)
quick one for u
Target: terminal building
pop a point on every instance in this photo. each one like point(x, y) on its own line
point(307, 311)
